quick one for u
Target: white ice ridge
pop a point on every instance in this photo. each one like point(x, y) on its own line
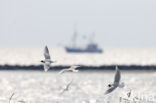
point(32, 56)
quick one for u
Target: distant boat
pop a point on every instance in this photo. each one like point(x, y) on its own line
point(91, 47)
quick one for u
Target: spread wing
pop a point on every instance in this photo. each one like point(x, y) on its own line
point(69, 84)
point(117, 76)
point(63, 71)
point(46, 67)
point(67, 87)
point(62, 91)
point(110, 89)
point(73, 67)
point(46, 53)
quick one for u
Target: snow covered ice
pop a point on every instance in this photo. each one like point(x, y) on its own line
point(87, 87)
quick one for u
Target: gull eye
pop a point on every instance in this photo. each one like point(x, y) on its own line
point(109, 85)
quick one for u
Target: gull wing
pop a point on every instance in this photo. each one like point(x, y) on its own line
point(74, 67)
point(62, 91)
point(117, 76)
point(69, 69)
point(46, 67)
point(110, 89)
point(46, 53)
point(67, 87)
point(63, 71)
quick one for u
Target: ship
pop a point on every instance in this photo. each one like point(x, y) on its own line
point(91, 47)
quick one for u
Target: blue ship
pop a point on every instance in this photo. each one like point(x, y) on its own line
point(90, 48)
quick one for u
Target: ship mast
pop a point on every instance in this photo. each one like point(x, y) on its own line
point(74, 38)
point(91, 39)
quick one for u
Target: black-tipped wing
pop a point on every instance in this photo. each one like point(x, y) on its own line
point(117, 76)
point(110, 89)
point(46, 53)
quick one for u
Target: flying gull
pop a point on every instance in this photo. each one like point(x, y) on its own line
point(71, 69)
point(116, 83)
point(67, 87)
point(47, 60)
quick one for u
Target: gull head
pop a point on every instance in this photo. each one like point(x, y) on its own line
point(109, 85)
point(42, 61)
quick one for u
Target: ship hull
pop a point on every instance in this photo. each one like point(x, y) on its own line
point(77, 50)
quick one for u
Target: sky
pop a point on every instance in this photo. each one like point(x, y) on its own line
point(116, 23)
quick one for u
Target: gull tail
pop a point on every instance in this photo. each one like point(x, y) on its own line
point(122, 85)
